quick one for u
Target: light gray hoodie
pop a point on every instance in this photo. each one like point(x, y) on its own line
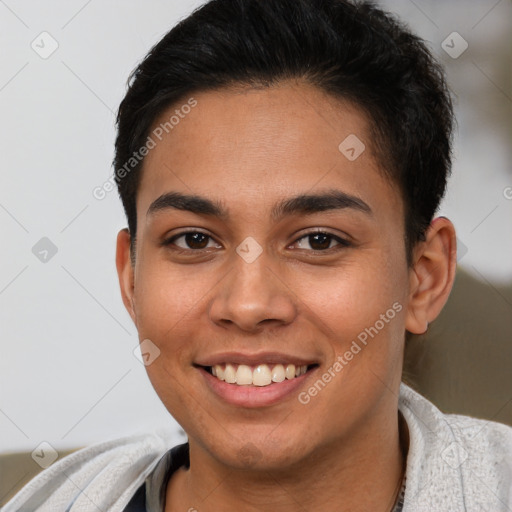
point(455, 463)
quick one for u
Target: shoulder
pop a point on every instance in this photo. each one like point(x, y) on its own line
point(103, 476)
point(467, 461)
point(486, 436)
point(483, 451)
point(478, 435)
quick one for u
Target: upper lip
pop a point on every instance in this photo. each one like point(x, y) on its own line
point(253, 359)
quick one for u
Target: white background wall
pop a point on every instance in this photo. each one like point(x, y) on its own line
point(67, 370)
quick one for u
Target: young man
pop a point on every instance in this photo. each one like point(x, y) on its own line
point(280, 163)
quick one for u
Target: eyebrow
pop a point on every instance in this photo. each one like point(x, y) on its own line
point(302, 204)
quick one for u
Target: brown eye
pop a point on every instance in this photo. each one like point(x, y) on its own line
point(194, 240)
point(321, 241)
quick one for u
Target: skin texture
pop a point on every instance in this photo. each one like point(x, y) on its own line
point(249, 149)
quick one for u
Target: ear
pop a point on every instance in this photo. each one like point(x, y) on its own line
point(432, 275)
point(125, 271)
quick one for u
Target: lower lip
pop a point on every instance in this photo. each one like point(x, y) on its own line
point(255, 396)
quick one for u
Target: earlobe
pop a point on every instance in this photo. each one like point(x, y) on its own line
point(432, 275)
point(125, 271)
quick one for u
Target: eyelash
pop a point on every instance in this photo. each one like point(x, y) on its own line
point(342, 243)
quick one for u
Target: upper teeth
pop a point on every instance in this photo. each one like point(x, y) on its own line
point(261, 375)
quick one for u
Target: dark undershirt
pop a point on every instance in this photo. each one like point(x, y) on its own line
point(172, 460)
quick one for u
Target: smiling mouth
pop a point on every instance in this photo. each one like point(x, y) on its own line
point(257, 375)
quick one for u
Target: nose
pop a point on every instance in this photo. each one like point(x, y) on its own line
point(252, 295)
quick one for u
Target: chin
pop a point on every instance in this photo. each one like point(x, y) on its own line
point(260, 453)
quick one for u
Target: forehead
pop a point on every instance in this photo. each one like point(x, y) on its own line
point(249, 145)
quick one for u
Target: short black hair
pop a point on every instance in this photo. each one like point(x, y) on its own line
point(351, 50)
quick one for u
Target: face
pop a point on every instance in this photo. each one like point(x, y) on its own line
point(251, 277)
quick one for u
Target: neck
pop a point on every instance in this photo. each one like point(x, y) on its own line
point(360, 475)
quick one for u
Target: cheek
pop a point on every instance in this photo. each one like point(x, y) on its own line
point(164, 303)
point(365, 303)
point(164, 298)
